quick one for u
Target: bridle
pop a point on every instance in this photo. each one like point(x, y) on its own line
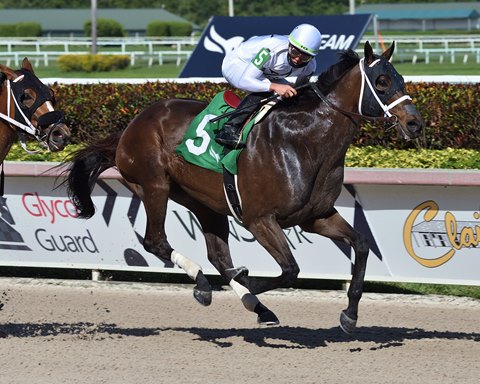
point(15, 90)
point(388, 116)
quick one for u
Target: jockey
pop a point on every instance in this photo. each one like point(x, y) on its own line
point(260, 65)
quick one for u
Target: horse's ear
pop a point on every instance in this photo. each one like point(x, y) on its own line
point(368, 53)
point(389, 52)
point(7, 72)
point(27, 65)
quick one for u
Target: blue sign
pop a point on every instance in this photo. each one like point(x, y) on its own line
point(225, 33)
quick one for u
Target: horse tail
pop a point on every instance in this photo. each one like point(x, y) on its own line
point(84, 167)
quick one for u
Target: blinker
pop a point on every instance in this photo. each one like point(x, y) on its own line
point(26, 81)
point(373, 71)
point(49, 118)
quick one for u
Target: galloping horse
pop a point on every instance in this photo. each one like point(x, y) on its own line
point(290, 173)
point(27, 106)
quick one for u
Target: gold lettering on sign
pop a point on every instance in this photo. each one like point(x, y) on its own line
point(467, 238)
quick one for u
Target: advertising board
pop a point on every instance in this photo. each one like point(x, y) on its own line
point(418, 232)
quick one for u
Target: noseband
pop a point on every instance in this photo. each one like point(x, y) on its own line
point(15, 90)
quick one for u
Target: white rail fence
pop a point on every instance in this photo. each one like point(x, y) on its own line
point(43, 51)
point(429, 49)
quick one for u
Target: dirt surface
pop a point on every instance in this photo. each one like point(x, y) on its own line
point(55, 331)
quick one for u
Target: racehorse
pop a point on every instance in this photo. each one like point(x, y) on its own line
point(290, 173)
point(27, 107)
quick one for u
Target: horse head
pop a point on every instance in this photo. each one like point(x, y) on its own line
point(384, 93)
point(30, 107)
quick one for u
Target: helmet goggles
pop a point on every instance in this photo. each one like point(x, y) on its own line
point(297, 53)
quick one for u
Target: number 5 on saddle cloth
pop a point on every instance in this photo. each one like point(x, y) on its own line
point(199, 146)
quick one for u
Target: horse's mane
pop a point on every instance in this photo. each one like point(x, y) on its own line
point(327, 79)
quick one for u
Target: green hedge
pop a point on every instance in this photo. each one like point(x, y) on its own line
point(24, 29)
point(366, 157)
point(28, 29)
point(92, 63)
point(168, 28)
point(452, 139)
point(450, 111)
point(105, 28)
point(95, 110)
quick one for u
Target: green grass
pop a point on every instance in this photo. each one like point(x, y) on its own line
point(424, 289)
point(431, 69)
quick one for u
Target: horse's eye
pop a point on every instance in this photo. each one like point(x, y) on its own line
point(25, 97)
point(382, 83)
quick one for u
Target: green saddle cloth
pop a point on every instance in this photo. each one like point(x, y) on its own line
point(199, 146)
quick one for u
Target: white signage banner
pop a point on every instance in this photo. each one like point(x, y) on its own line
point(416, 233)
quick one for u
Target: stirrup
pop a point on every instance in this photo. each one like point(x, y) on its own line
point(232, 142)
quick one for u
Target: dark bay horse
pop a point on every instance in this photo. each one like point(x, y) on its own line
point(290, 173)
point(27, 107)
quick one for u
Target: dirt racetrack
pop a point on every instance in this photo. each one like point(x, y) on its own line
point(64, 332)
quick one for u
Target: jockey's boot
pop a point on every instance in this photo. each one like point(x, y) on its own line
point(229, 136)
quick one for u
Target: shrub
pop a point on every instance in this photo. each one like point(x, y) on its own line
point(92, 63)
point(157, 28)
point(28, 29)
point(168, 28)
point(178, 28)
point(450, 115)
point(105, 28)
point(380, 157)
point(8, 30)
point(449, 111)
point(93, 111)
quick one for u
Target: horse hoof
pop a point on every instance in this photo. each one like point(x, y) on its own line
point(267, 318)
point(203, 297)
point(235, 273)
point(347, 324)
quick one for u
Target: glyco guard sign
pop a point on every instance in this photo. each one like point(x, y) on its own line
point(223, 34)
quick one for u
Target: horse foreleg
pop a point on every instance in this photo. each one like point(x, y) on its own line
point(269, 234)
point(336, 227)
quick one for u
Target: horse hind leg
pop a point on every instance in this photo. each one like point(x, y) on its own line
point(156, 242)
point(216, 231)
point(202, 292)
point(336, 227)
